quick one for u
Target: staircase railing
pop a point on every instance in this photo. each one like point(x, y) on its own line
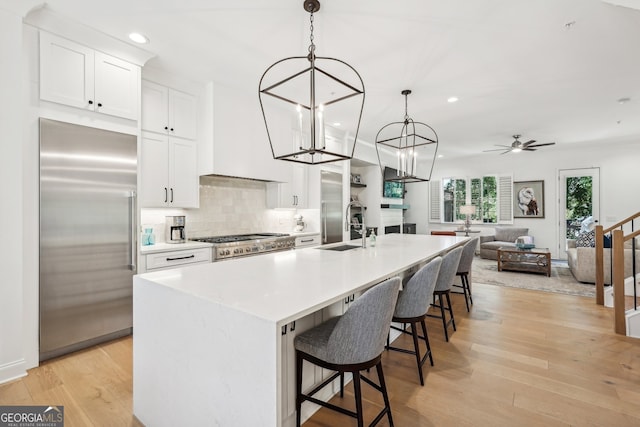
point(619, 306)
point(600, 233)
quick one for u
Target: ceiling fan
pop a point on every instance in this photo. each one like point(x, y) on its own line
point(517, 146)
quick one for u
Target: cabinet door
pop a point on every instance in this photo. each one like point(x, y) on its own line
point(155, 100)
point(116, 86)
point(66, 72)
point(308, 369)
point(182, 114)
point(154, 170)
point(183, 176)
point(299, 185)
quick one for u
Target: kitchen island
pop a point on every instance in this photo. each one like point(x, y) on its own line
point(213, 343)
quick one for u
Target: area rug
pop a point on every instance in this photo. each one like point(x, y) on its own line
point(561, 280)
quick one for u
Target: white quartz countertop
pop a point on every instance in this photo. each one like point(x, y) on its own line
point(304, 233)
point(168, 247)
point(284, 286)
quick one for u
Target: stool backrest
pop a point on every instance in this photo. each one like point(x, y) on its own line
point(415, 298)
point(468, 251)
point(448, 269)
point(361, 332)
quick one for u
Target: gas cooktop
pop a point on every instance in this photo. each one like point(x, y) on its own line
point(237, 245)
point(239, 237)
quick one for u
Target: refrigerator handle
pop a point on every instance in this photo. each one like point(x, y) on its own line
point(324, 221)
point(133, 232)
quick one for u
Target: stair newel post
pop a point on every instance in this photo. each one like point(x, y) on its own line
point(599, 265)
point(617, 247)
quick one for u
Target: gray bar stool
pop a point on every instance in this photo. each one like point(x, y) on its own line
point(446, 275)
point(350, 343)
point(412, 306)
point(464, 267)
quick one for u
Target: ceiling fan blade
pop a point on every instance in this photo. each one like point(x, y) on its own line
point(505, 152)
point(498, 149)
point(528, 149)
point(528, 143)
point(542, 145)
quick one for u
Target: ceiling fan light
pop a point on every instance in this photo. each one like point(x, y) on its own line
point(516, 150)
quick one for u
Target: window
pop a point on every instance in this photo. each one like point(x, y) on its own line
point(491, 195)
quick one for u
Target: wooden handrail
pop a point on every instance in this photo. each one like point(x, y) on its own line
point(619, 311)
point(623, 222)
point(600, 231)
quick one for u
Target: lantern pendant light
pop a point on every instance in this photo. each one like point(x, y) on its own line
point(303, 101)
point(408, 146)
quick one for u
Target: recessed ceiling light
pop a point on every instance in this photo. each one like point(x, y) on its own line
point(138, 38)
point(624, 100)
point(337, 123)
point(440, 156)
point(452, 99)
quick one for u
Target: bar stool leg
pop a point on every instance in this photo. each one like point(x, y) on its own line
point(385, 396)
point(414, 333)
point(358, 395)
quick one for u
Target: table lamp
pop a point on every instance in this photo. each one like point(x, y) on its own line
point(467, 210)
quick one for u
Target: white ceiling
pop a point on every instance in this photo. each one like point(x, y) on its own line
point(551, 70)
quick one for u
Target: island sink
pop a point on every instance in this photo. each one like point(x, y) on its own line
point(340, 248)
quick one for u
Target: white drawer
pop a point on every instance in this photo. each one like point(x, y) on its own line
point(171, 259)
point(304, 241)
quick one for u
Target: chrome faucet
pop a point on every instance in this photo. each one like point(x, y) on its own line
point(356, 204)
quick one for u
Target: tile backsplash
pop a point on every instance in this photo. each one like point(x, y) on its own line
point(227, 206)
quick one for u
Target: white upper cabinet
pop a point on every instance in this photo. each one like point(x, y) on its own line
point(77, 76)
point(290, 194)
point(168, 176)
point(166, 110)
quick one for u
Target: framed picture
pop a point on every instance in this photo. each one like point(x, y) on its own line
point(528, 199)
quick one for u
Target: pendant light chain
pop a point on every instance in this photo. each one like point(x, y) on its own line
point(312, 46)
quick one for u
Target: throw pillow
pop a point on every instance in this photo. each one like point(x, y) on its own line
point(586, 240)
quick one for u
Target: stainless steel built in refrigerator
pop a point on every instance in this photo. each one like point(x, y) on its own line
point(87, 235)
point(331, 215)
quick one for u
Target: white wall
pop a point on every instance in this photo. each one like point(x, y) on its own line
point(619, 186)
point(12, 318)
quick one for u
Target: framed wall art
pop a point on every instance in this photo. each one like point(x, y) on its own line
point(528, 199)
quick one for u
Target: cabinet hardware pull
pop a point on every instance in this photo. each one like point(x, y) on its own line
point(293, 326)
point(172, 195)
point(353, 297)
point(90, 102)
point(346, 300)
point(166, 128)
point(165, 195)
point(305, 241)
point(99, 104)
point(181, 257)
point(171, 129)
point(284, 330)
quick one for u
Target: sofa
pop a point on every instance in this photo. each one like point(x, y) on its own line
point(582, 262)
point(504, 236)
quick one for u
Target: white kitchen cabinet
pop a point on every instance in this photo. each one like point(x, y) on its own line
point(310, 373)
point(78, 76)
point(307, 241)
point(176, 258)
point(168, 176)
point(169, 111)
point(292, 193)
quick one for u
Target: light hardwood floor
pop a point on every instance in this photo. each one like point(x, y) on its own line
point(520, 358)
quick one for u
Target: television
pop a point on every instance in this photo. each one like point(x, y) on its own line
point(392, 189)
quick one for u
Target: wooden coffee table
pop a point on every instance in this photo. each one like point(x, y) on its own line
point(535, 260)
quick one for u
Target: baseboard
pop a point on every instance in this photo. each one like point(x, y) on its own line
point(633, 323)
point(13, 371)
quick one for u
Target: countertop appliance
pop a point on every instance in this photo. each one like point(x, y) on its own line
point(227, 247)
point(88, 235)
point(174, 229)
point(331, 207)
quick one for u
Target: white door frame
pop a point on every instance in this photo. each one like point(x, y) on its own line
point(563, 174)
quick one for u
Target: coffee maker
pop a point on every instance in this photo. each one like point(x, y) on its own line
point(174, 229)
